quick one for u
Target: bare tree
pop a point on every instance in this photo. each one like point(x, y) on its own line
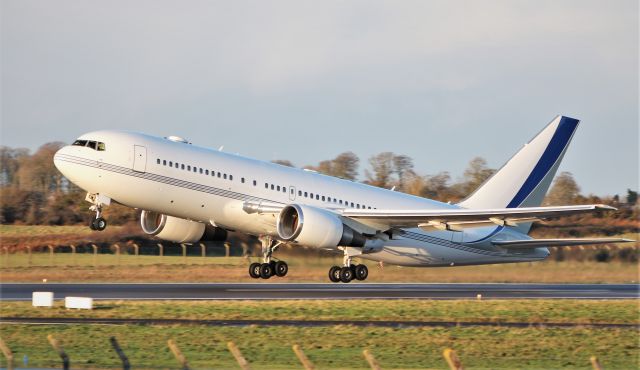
point(475, 174)
point(564, 191)
point(383, 168)
point(345, 166)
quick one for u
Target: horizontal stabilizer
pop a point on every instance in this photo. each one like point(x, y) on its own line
point(460, 218)
point(535, 243)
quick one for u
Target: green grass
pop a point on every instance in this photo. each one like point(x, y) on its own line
point(338, 347)
point(22, 260)
point(43, 230)
point(534, 311)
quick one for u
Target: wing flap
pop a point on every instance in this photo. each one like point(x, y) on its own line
point(536, 243)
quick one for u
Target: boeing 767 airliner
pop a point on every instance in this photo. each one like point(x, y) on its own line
point(189, 194)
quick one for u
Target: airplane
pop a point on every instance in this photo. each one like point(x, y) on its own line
point(188, 194)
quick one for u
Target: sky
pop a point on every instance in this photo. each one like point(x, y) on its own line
point(439, 81)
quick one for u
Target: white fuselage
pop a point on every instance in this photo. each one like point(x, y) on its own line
point(210, 186)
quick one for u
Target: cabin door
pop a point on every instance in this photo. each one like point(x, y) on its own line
point(292, 193)
point(139, 158)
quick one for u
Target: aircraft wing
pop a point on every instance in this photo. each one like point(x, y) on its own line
point(534, 243)
point(458, 219)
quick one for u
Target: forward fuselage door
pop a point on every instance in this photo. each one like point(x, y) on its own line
point(292, 193)
point(139, 158)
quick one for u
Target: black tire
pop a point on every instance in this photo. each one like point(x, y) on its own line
point(254, 270)
point(99, 224)
point(273, 267)
point(334, 274)
point(361, 272)
point(346, 275)
point(93, 219)
point(266, 271)
point(281, 268)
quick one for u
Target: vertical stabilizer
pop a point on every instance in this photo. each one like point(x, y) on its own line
point(524, 180)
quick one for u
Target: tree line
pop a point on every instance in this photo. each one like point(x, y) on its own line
point(32, 191)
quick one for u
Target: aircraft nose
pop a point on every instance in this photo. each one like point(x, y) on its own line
point(60, 160)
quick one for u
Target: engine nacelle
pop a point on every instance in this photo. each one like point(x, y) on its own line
point(179, 230)
point(316, 227)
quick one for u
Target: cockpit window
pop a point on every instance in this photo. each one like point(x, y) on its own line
point(80, 143)
point(95, 145)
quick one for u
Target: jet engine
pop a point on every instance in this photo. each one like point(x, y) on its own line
point(179, 230)
point(316, 227)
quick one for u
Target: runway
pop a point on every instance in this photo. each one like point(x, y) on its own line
point(252, 291)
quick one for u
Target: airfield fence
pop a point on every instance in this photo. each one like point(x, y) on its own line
point(610, 252)
point(449, 355)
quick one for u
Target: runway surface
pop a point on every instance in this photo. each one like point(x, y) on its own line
point(203, 291)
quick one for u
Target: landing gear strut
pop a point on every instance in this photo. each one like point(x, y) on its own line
point(99, 201)
point(268, 267)
point(348, 271)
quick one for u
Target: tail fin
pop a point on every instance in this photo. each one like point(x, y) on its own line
point(524, 180)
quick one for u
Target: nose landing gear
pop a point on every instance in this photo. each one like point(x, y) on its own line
point(268, 267)
point(99, 201)
point(98, 223)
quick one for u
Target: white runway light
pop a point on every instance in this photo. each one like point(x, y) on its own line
point(85, 303)
point(42, 299)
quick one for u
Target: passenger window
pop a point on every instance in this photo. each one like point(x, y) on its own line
point(164, 162)
point(242, 180)
point(340, 201)
point(158, 161)
point(311, 195)
point(299, 193)
point(230, 177)
point(266, 186)
point(272, 187)
point(351, 204)
point(170, 164)
point(225, 176)
point(200, 170)
point(255, 183)
point(284, 190)
point(188, 168)
point(219, 174)
point(278, 187)
point(206, 172)
point(182, 166)
point(305, 194)
point(323, 198)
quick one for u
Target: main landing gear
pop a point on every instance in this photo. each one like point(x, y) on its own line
point(99, 201)
point(349, 271)
point(268, 267)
